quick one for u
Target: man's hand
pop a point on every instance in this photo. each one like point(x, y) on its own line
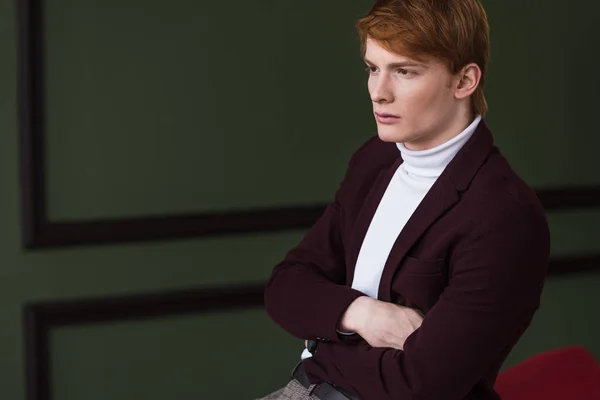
point(380, 323)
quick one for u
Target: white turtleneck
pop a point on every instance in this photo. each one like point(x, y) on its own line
point(407, 188)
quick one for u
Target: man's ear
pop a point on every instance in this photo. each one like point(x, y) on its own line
point(468, 80)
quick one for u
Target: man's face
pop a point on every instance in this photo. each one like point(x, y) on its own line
point(413, 102)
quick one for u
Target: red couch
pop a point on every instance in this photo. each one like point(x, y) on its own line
point(569, 373)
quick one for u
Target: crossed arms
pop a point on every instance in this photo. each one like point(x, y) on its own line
point(380, 323)
point(492, 295)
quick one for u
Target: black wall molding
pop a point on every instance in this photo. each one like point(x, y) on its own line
point(39, 231)
point(568, 198)
point(574, 264)
point(39, 318)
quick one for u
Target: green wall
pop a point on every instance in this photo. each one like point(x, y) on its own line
point(140, 122)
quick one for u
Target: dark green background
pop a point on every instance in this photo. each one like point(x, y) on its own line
point(167, 107)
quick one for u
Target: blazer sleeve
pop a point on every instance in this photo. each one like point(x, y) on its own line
point(493, 291)
point(306, 293)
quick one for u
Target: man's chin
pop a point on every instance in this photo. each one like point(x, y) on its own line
point(392, 137)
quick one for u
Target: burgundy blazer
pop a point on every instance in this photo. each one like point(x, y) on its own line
point(473, 258)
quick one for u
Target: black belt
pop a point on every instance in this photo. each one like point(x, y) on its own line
point(324, 390)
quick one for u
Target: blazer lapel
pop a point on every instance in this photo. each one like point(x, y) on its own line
point(439, 199)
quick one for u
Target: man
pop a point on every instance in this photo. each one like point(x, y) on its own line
point(428, 265)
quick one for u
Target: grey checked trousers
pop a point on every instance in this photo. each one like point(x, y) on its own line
point(292, 391)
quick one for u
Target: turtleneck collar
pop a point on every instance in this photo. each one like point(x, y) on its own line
point(431, 163)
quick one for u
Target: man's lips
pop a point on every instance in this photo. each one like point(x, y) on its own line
point(385, 118)
point(386, 115)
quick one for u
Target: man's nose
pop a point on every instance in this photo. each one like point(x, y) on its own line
point(381, 91)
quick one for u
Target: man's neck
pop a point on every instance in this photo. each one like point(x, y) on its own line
point(453, 128)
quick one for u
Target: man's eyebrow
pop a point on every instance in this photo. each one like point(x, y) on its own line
point(400, 64)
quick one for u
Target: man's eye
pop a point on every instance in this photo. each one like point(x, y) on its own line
point(371, 69)
point(405, 72)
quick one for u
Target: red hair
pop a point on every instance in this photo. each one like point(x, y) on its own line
point(455, 32)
